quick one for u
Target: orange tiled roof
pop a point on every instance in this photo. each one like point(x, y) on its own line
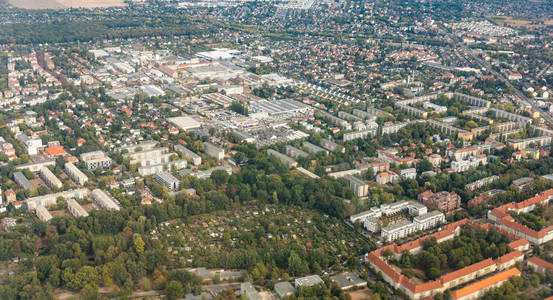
point(518, 243)
point(55, 150)
point(540, 262)
point(509, 256)
point(467, 270)
point(485, 283)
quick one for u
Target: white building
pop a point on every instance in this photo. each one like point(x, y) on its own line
point(214, 151)
point(398, 230)
point(75, 209)
point(195, 158)
point(153, 169)
point(49, 178)
point(104, 200)
point(96, 159)
point(43, 214)
point(360, 188)
point(167, 180)
point(76, 175)
point(465, 165)
point(410, 173)
point(429, 220)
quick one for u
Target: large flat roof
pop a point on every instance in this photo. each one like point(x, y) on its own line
point(185, 122)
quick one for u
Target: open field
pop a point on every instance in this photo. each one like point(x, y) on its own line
point(509, 21)
point(60, 4)
point(363, 294)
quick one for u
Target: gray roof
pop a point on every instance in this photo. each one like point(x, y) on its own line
point(284, 288)
point(347, 280)
point(309, 280)
point(22, 181)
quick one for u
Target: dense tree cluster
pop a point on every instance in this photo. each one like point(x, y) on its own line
point(469, 247)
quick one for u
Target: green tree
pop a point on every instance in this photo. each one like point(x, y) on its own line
point(174, 290)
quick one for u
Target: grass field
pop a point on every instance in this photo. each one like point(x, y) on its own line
point(60, 4)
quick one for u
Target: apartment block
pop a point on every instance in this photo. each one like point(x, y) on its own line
point(313, 149)
point(75, 209)
point(429, 220)
point(23, 182)
point(104, 200)
point(295, 152)
point(214, 151)
point(153, 169)
point(76, 175)
point(49, 178)
point(329, 145)
point(287, 161)
point(444, 201)
point(195, 158)
point(43, 214)
point(360, 188)
point(96, 159)
point(168, 180)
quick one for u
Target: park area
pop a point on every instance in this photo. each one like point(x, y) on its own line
point(61, 4)
point(295, 241)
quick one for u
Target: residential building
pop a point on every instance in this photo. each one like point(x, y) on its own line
point(167, 180)
point(195, 158)
point(481, 182)
point(410, 173)
point(392, 128)
point(104, 200)
point(287, 161)
point(471, 162)
point(479, 288)
point(386, 177)
point(43, 214)
point(417, 290)
point(8, 224)
point(310, 280)
point(10, 196)
point(76, 175)
point(507, 223)
point(435, 160)
point(398, 230)
point(50, 179)
point(539, 265)
point(361, 134)
point(75, 209)
point(329, 145)
point(295, 152)
point(96, 159)
point(417, 209)
point(307, 173)
point(521, 144)
point(429, 220)
point(153, 169)
point(23, 182)
point(51, 199)
point(444, 201)
point(214, 151)
point(360, 188)
point(313, 149)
